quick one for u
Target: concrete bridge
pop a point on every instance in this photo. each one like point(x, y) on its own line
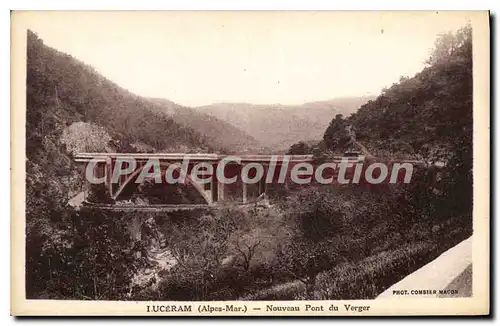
point(273, 169)
point(211, 193)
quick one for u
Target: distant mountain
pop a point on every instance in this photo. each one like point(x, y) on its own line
point(323, 109)
point(63, 90)
point(219, 133)
point(279, 126)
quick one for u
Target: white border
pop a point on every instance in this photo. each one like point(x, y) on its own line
point(185, 5)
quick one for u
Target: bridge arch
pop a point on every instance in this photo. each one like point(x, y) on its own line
point(131, 177)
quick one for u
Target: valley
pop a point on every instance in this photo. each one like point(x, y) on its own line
point(307, 242)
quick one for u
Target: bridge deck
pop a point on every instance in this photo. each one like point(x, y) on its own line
point(85, 157)
point(203, 157)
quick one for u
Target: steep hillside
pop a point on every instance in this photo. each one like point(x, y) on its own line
point(279, 126)
point(70, 107)
point(220, 134)
point(428, 115)
point(62, 90)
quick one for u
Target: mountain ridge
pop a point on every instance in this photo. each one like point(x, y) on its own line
point(229, 137)
point(279, 126)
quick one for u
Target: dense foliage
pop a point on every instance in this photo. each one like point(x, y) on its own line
point(62, 257)
point(428, 115)
point(314, 242)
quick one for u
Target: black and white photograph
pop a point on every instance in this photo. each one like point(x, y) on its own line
point(286, 162)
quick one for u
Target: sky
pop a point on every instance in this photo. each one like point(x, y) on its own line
point(199, 58)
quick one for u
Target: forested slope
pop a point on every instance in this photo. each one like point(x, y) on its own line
point(219, 133)
point(428, 115)
point(64, 94)
point(70, 106)
point(336, 243)
point(62, 90)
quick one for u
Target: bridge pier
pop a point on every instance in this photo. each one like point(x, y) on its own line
point(262, 186)
point(220, 190)
point(212, 193)
point(245, 191)
point(217, 191)
point(108, 174)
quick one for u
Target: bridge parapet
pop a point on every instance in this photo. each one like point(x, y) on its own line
point(195, 157)
point(110, 168)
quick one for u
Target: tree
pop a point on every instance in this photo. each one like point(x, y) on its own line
point(300, 148)
point(336, 137)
